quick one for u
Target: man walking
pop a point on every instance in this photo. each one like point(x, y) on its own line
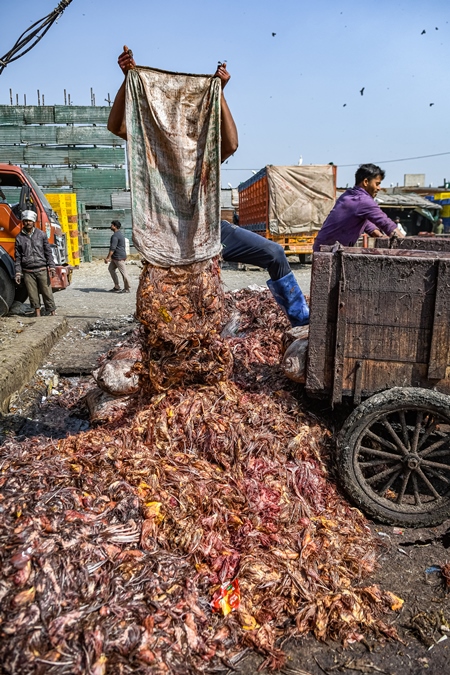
point(116, 258)
point(34, 261)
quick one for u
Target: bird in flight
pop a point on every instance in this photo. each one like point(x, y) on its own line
point(431, 104)
point(344, 105)
point(273, 34)
point(361, 91)
point(423, 32)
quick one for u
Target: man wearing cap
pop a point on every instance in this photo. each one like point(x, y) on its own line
point(34, 261)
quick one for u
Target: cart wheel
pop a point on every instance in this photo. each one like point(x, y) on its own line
point(394, 457)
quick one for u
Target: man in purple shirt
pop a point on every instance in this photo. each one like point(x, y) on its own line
point(356, 211)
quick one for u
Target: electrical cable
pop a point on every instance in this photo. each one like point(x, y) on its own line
point(32, 35)
point(385, 161)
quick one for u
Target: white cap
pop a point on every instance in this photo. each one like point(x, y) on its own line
point(29, 215)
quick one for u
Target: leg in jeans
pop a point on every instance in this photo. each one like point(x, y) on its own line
point(120, 264)
point(45, 287)
point(32, 289)
point(239, 245)
point(113, 273)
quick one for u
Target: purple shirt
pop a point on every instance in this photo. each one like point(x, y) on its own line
point(355, 212)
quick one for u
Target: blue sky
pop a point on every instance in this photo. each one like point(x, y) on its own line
point(287, 92)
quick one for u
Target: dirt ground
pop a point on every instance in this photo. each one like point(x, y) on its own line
point(99, 320)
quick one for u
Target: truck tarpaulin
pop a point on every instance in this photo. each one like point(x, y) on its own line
point(300, 198)
point(173, 123)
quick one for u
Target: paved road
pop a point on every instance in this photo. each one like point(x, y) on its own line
point(88, 296)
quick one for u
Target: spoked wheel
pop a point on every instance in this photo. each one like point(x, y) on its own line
point(394, 457)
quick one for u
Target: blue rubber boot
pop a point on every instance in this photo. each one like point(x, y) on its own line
point(290, 298)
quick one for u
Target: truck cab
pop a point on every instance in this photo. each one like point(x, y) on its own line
point(18, 192)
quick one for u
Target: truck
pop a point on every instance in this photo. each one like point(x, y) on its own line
point(19, 192)
point(288, 204)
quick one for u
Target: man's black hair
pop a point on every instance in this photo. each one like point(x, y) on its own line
point(116, 223)
point(368, 171)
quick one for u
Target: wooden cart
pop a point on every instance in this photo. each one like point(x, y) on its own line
point(380, 333)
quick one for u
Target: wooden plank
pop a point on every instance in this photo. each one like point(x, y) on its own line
point(39, 114)
point(439, 352)
point(340, 343)
point(389, 308)
point(320, 299)
point(9, 133)
point(387, 343)
point(374, 253)
point(99, 178)
point(415, 243)
point(12, 153)
point(398, 273)
point(91, 135)
point(81, 114)
point(380, 375)
point(49, 177)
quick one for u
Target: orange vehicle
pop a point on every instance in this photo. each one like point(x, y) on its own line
point(26, 195)
point(288, 204)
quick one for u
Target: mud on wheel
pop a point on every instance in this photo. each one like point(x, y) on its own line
point(394, 457)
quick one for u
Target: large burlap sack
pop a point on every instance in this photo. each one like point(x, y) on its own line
point(173, 130)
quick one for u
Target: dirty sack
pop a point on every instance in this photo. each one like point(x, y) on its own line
point(173, 123)
point(115, 375)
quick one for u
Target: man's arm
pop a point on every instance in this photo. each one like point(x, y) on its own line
point(112, 247)
point(48, 254)
point(229, 135)
point(18, 260)
point(378, 220)
point(117, 123)
point(372, 230)
point(116, 120)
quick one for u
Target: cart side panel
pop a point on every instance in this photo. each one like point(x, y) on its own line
point(440, 342)
point(322, 328)
point(380, 375)
point(414, 243)
point(385, 322)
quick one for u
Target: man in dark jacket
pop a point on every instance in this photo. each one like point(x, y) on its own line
point(116, 258)
point(34, 261)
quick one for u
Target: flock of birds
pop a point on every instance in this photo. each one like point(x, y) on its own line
point(361, 91)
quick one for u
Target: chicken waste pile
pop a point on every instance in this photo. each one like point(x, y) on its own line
point(197, 521)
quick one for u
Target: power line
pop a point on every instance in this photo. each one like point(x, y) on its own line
point(385, 161)
point(404, 159)
point(32, 35)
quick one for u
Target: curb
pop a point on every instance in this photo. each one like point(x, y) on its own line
point(19, 364)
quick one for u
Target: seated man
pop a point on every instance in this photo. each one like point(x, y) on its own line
point(356, 212)
point(239, 245)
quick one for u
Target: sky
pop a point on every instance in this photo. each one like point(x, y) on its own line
point(295, 94)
